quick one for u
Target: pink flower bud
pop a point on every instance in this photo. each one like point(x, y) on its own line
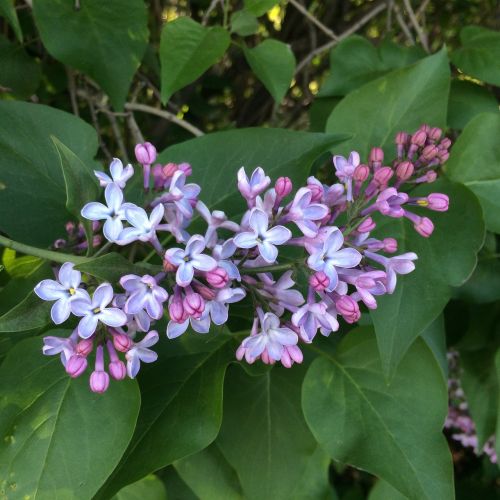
point(206, 292)
point(445, 143)
point(185, 168)
point(316, 192)
point(390, 245)
point(361, 173)
point(240, 353)
point(435, 134)
point(425, 128)
point(419, 138)
point(383, 175)
point(76, 365)
point(283, 187)
point(438, 202)
point(176, 311)
point(429, 152)
point(401, 138)
point(59, 243)
point(145, 153)
point(96, 240)
point(348, 308)
point(376, 157)
point(405, 170)
point(70, 227)
point(366, 226)
point(117, 369)
point(84, 347)
point(218, 278)
point(122, 342)
point(429, 177)
point(168, 267)
point(169, 169)
point(424, 226)
point(443, 155)
point(99, 381)
point(194, 305)
point(319, 281)
point(158, 177)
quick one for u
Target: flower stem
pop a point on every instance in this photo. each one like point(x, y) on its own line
point(40, 252)
point(266, 269)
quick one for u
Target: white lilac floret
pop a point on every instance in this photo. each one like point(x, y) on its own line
point(326, 231)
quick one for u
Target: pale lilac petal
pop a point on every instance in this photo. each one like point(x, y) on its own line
point(334, 241)
point(133, 365)
point(68, 276)
point(315, 211)
point(146, 355)
point(185, 273)
point(128, 235)
point(275, 350)
point(137, 216)
point(340, 162)
point(245, 240)
point(81, 307)
point(87, 325)
point(156, 215)
point(114, 197)
point(175, 256)
point(354, 158)
point(347, 257)
point(154, 308)
point(270, 321)
point(104, 179)
point(130, 282)
point(95, 211)
point(135, 303)
point(284, 336)
point(201, 325)
point(308, 227)
point(103, 295)
point(112, 317)
point(174, 330)
point(278, 235)
point(219, 313)
point(50, 290)
point(149, 340)
point(195, 245)
point(204, 211)
point(112, 228)
point(258, 221)
point(204, 262)
point(60, 311)
point(268, 252)
point(255, 345)
point(116, 168)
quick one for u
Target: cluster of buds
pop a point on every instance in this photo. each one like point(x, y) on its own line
point(459, 423)
point(203, 274)
point(76, 239)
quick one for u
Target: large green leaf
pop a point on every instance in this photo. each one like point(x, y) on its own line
point(104, 40)
point(181, 408)
point(420, 296)
point(32, 193)
point(475, 161)
point(148, 488)
point(467, 100)
point(217, 157)
point(81, 185)
point(187, 50)
point(265, 438)
point(356, 61)
point(29, 314)
point(384, 491)
point(401, 100)
point(243, 23)
point(8, 11)
point(497, 435)
point(391, 430)
point(479, 55)
point(259, 7)
point(273, 63)
point(59, 440)
point(209, 475)
point(19, 73)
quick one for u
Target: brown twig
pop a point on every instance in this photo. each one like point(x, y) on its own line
point(418, 29)
point(314, 20)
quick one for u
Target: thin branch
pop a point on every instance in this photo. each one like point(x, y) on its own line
point(118, 136)
point(390, 6)
point(211, 7)
point(95, 121)
point(132, 106)
point(421, 9)
point(355, 27)
point(134, 129)
point(420, 32)
point(314, 20)
point(72, 91)
point(403, 24)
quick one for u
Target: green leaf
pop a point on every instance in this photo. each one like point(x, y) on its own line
point(384, 491)
point(32, 192)
point(356, 61)
point(401, 100)
point(421, 295)
point(19, 267)
point(484, 284)
point(479, 55)
point(390, 430)
point(243, 23)
point(475, 161)
point(216, 159)
point(104, 40)
point(19, 73)
point(467, 100)
point(81, 185)
point(8, 11)
point(112, 266)
point(148, 488)
point(259, 7)
point(435, 338)
point(273, 63)
point(60, 440)
point(187, 50)
point(31, 313)
point(265, 438)
point(497, 436)
point(209, 475)
point(181, 408)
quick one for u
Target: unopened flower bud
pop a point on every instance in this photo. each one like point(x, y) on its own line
point(168, 267)
point(429, 152)
point(122, 342)
point(283, 187)
point(401, 138)
point(185, 168)
point(319, 281)
point(443, 155)
point(383, 175)
point(390, 245)
point(84, 347)
point(145, 153)
point(348, 308)
point(405, 170)
point(435, 134)
point(158, 177)
point(70, 227)
point(445, 143)
point(424, 226)
point(419, 138)
point(438, 202)
point(194, 304)
point(218, 277)
point(428, 177)
point(206, 292)
point(176, 311)
point(99, 381)
point(366, 226)
point(117, 369)
point(169, 169)
point(376, 158)
point(76, 365)
point(59, 243)
point(316, 192)
point(361, 173)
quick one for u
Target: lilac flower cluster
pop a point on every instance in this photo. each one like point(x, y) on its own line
point(346, 266)
point(460, 424)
